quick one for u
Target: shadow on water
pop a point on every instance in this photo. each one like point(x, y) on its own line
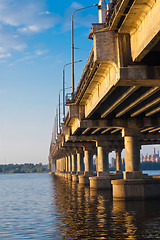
point(88, 214)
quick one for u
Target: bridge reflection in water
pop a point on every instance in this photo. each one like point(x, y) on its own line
point(88, 214)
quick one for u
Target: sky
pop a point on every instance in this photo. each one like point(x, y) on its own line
point(35, 44)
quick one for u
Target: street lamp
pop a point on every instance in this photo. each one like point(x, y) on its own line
point(64, 85)
point(73, 43)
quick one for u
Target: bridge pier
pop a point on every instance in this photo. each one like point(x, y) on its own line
point(118, 161)
point(118, 90)
point(80, 168)
point(132, 153)
point(69, 167)
point(88, 156)
point(102, 180)
point(66, 167)
point(74, 163)
point(134, 184)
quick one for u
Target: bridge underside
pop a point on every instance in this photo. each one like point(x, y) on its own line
point(116, 104)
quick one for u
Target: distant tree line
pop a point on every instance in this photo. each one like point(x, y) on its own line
point(23, 168)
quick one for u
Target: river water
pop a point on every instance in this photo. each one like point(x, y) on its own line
point(39, 206)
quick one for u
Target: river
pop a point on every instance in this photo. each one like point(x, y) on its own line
point(40, 206)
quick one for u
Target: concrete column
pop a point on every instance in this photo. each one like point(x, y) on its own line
point(132, 153)
point(96, 162)
point(69, 163)
point(80, 156)
point(53, 166)
point(66, 163)
point(118, 160)
point(103, 164)
point(57, 167)
point(58, 162)
point(88, 156)
point(88, 166)
point(74, 163)
point(61, 164)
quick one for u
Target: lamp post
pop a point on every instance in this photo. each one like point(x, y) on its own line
point(59, 108)
point(64, 85)
point(72, 44)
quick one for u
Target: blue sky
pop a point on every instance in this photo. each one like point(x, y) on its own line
point(35, 44)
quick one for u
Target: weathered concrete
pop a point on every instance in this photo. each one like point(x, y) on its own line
point(69, 177)
point(69, 163)
point(132, 153)
point(84, 179)
point(104, 181)
point(66, 168)
point(74, 163)
point(118, 161)
point(80, 156)
point(118, 91)
point(102, 155)
point(100, 182)
point(74, 177)
point(133, 189)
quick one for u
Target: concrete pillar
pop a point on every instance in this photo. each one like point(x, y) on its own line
point(69, 163)
point(74, 163)
point(61, 165)
point(88, 156)
point(88, 165)
point(66, 163)
point(132, 153)
point(80, 156)
point(96, 162)
point(118, 160)
point(103, 164)
point(58, 163)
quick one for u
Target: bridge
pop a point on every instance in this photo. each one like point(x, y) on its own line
point(116, 104)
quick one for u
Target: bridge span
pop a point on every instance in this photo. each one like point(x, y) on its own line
point(116, 104)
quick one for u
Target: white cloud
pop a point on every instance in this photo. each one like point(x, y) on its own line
point(25, 13)
point(76, 5)
point(41, 52)
point(5, 55)
point(19, 19)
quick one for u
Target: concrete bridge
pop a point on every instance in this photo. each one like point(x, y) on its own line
point(116, 104)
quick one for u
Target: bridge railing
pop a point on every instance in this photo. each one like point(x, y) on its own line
point(70, 97)
point(112, 9)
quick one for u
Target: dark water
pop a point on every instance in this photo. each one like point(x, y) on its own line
point(39, 206)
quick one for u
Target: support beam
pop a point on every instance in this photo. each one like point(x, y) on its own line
point(145, 107)
point(119, 101)
point(139, 100)
point(116, 130)
point(106, 130)
point(85, 131)
point(96, 130)
point(154, 130)
point(146, 129)
point(153, 112)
